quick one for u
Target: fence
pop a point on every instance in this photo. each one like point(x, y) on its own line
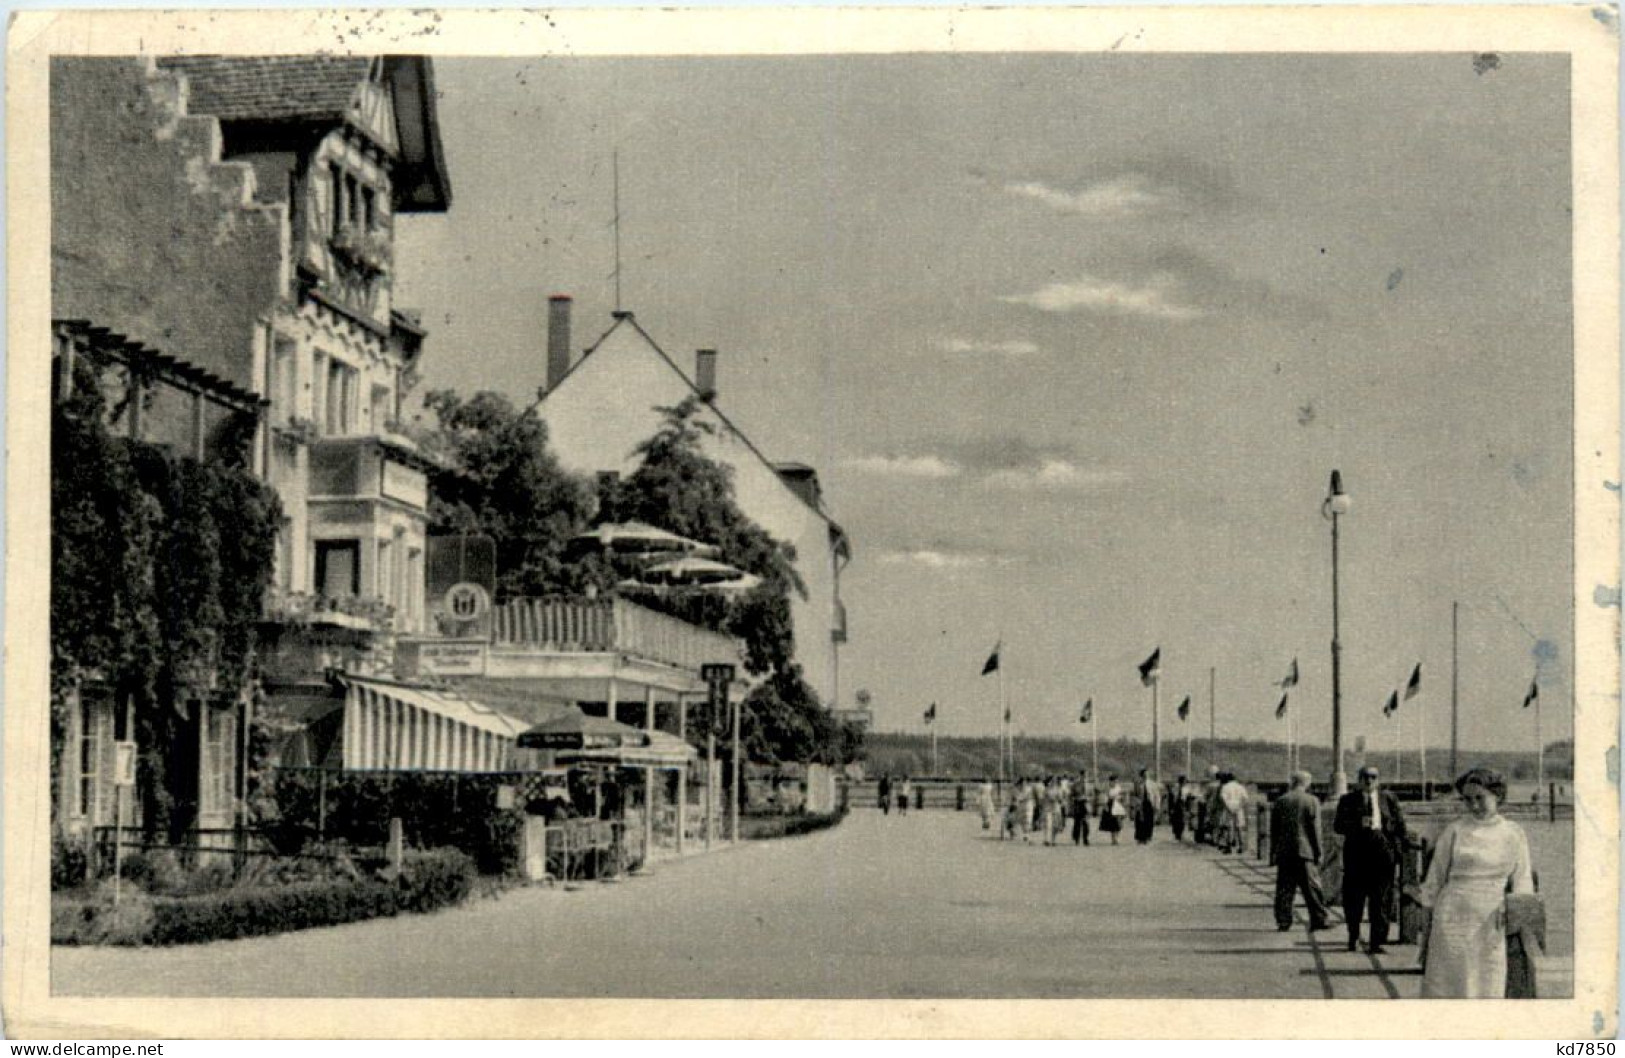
point(194, 849)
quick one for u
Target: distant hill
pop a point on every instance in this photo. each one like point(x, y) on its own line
point(910, 754)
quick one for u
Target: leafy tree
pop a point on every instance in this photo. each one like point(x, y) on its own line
point(506, 483)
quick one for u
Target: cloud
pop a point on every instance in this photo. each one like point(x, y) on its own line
point(940, 557)
point(1157, 298)
point(1008, 461)
point(1168, 185)
point(1009, 347)
point(917, 466)
point(1130, 195)
point(1057, 474)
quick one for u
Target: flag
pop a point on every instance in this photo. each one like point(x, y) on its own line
point(1393, 705)
point(931, 713)
point(1280, 710)
point(992, 663)
point(1184, 709)
point(1151, 667)
point(1088, 711)
point(1533, 695)
point(1291, 676)
point(1413, 686)
point(1007, 714)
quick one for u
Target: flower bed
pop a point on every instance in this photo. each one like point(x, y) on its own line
point(427, 881)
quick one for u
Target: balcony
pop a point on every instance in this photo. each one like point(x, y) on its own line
point(371, 467)
point(358, 613)
point(609, 625)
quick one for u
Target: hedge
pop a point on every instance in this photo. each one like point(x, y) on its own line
point(428, 880)
point(436, 811)
point(761, 828)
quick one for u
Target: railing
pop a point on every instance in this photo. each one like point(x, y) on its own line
point(364, 612)
point(582, 849)
point(602, 625)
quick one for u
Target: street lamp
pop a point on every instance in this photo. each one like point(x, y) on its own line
point(1336, 503)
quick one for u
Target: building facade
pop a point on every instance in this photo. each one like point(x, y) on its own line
point(600, 406)
point(239, 213)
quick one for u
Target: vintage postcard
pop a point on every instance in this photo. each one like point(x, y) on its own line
point(1049, 522)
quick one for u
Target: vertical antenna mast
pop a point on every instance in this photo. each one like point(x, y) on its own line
point(617, 224)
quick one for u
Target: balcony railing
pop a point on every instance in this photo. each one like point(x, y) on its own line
point(569, 625)
point(364, 613)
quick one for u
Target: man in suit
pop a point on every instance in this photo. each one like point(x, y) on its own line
point(1295, 842)
point(1373, 830)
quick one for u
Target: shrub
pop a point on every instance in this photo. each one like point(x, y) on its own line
point(94, 920)
point(70, 866)
point(428, 881)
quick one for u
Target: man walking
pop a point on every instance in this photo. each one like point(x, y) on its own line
point(1082, 807)
point(1373, 830)
point(1295, 843)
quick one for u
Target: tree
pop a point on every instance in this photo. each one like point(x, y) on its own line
point(506, 483)
point(679, 488)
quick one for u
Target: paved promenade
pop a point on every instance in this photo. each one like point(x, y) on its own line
point(920, 906)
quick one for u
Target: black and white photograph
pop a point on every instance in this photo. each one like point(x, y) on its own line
point(814, 506)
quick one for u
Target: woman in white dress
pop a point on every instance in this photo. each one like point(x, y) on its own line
point(1479, 858)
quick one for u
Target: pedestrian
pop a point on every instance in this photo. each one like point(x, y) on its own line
point(1295, 845)
point(1046, 810)
point(1209, 809)
point(1146, 792)
point(1111, 816)
point(1176, 810)
point(984, 802)
point(1373, 830)
point(1233, 811)
point(1080, 810)
point(885, 794)
point(905, 790)
point(1029, 808)
point(1478, 859)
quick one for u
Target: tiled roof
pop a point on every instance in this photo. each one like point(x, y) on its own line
point(270, 87)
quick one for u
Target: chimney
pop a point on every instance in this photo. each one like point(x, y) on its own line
point(705, 373)
point(558, 339)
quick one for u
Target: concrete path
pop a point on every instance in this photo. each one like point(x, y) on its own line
point(922, 906)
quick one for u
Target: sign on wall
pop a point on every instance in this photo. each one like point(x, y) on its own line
point(451, 659)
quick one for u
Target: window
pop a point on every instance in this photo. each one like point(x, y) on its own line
point(283, 394)
point(369, 212)
point(89, 755)
point(338, 568)
point(318, 391)
point(386, 571)
point(352, 200)
point(335, 184)
point(219, 751)
point(283, 556)
point(341, 397)
point(414, 589)
point(383, 407)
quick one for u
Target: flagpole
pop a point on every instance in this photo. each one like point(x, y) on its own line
point(1422, 742)
point(1399, 745)
point(1187, 746)
point(1455, 676)
point(933, 748)
point(1094, 736)
point(1212, 723)
point(1005, 714)
point(1540, 754)
point(1156, 727)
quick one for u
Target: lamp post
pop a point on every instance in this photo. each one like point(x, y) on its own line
point(1336, 503)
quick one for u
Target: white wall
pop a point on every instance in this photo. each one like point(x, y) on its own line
point(605, 407)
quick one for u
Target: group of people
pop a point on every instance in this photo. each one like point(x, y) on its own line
point(902, 790)
point(1050, 807)
point(1478, 860)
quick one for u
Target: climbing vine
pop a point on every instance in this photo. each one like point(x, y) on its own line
point(158, 568)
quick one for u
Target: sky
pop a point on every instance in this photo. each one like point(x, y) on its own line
point(1074, 342)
